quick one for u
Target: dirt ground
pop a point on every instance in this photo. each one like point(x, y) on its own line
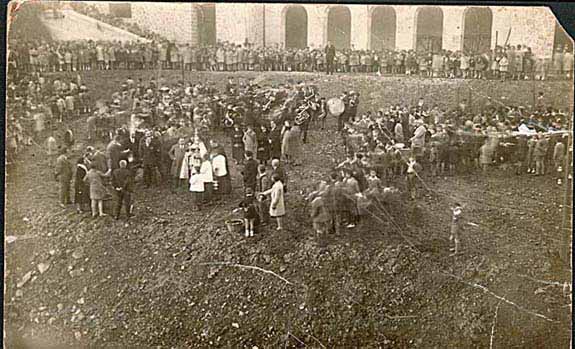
point(174, 278)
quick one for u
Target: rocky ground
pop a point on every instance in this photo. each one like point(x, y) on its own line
point(176, 278)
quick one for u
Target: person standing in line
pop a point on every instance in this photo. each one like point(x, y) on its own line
point(122, 182)
point(64, 176)
point(277, 205)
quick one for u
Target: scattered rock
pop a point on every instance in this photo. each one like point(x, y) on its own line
point(235, 325)
point(25, 279)
point(43, 267)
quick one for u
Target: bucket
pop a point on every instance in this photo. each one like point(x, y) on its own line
point(235, 225)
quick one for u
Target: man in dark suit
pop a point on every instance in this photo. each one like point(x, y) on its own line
point(275, 141)
point(329, 57)
point(122, 181)
point(250, 171)
point(149, 152)
point(64, 176)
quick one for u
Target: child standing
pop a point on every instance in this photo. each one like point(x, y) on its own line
point(251, 215)
point(196, 188)
point(456, 223)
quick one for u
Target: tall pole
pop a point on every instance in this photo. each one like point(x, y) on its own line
point(567, 222)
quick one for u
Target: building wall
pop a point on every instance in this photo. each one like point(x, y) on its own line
point(236, 23)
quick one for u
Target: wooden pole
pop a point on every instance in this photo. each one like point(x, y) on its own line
point(567, 221)
point(508, 35)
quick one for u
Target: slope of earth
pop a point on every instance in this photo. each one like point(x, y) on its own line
point(176, 278)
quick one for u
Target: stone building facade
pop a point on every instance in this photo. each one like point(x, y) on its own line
point(402, 27)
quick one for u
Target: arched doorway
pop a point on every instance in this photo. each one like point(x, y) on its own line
point(383, 25)
point(296, 27)
point(207, 24)
point(477, 23)
point(561, 39)
point(339, 27)
point(429, 29)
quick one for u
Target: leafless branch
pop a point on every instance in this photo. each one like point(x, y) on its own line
point(317, 340)
point(554, 283)
point(234, 265)
point(493, 326)
point(486, 290)
point(297, 339)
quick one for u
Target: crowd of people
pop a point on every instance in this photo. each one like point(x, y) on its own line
point(509, 62)
point(168, 133)
point(160, 132)
point(132, 27)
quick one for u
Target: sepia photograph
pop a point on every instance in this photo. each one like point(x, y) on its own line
point(287, 175)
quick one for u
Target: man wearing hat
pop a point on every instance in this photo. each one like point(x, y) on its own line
point(149, 151)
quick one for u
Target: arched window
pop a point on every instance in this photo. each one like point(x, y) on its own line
point(383, 25)
point(207, 24)
point(339, 27)
point(477, 22)
point(429, 29)
point(296, 27)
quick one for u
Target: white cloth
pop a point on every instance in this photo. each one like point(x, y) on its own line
point(196, 183)
point(207, 172)
point(186, 163)
point(219, 165)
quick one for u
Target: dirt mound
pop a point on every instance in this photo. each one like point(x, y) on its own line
point(176, 278)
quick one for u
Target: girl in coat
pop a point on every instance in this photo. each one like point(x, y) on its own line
point(249, 206)
point(277, 206)
point(95, 181)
